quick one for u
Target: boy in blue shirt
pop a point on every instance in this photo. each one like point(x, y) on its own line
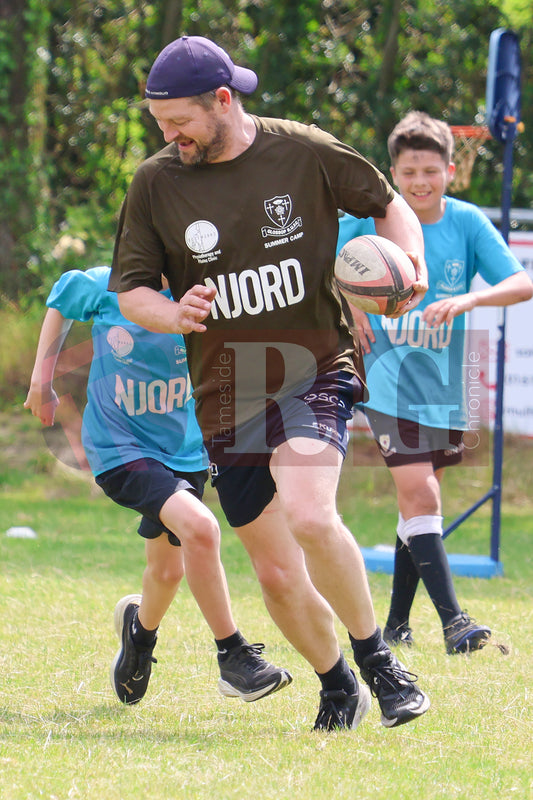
point(414, 364)
point(144, 447)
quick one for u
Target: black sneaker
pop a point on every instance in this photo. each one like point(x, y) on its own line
point(399, 698)
point(132, 665)
point(464, 635)
point(245, 674)
point(339, 710)
point(400, 635)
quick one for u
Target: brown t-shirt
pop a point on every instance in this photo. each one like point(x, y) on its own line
point(262, 229)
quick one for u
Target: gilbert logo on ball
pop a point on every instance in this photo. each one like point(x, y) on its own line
point(375, 274)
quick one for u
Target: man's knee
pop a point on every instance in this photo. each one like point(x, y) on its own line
point(279, 574)
point(309, 524)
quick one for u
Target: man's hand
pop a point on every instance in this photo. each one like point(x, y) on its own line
point(420, 287)
point(364, 329)
point(193, 308)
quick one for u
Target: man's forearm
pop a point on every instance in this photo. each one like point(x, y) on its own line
point(149, 309)
point(157, 313)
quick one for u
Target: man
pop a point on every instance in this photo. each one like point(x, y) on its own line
point(144, 448)
point(240, 213)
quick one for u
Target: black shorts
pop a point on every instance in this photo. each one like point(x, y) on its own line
point(145, 485)
point(402, 441)
point(242, 478)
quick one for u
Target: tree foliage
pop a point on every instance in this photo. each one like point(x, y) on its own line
point(73, 127)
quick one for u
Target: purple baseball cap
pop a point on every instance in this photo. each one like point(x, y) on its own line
point(193, 65)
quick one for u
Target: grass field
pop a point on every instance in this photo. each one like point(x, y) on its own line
point(63, 734)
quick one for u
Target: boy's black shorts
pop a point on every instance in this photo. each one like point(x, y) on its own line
point(145, 485)
point(402, 441)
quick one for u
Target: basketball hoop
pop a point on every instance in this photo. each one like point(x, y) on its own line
point(468, 143)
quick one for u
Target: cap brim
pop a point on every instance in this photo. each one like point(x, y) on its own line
point(244, 80)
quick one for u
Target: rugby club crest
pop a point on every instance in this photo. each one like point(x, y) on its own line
point(279, 210)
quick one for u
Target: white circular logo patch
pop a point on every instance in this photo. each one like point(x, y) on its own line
point(120, 340)
point(201, 236)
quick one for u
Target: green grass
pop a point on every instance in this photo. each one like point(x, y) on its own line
point(64, 735)
point(21, 333)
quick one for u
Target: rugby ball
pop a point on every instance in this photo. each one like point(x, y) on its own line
point(375, 274)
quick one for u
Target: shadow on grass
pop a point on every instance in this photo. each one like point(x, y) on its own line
point(128, 725)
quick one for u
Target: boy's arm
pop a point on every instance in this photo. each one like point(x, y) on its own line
point(515, 289)
point(42, 399)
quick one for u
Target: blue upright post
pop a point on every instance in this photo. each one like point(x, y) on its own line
point(500, 367)
point(503, 96)
point(503, 116)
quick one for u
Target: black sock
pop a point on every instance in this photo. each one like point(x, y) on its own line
point(404, 585)
point(140, 635)
point(428, 553)
point(340, 676)
point(227, 644)
point(365, 647)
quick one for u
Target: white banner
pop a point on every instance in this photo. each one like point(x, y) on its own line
point(518, 382)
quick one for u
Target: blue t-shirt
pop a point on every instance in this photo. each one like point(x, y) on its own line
point(139, 398)
point(415, 372)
